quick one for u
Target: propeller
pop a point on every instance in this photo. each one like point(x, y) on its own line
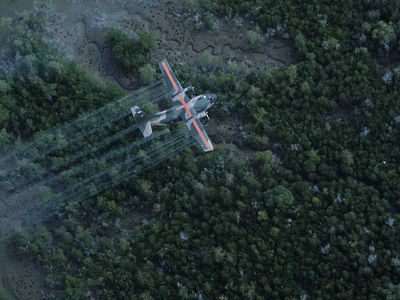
point(189, 88)
point(203, 114)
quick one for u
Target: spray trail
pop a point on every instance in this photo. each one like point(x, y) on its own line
point(71, 133)
point(123, 172)
point(55, 164)
point(128, 160)
point(68, 169)
point(126, 174)
point(45, 177)
point(92, 148)
point(26, 171)
point(44, 196)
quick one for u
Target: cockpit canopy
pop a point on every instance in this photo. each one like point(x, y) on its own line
point(204, 102)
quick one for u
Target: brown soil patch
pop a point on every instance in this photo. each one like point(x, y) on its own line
point(78, 28)
point(20, 278)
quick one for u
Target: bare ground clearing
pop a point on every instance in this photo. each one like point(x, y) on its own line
point(182, 37)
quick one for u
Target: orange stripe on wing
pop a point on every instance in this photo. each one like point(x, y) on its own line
point(169, 76)
point(184, 105)
point(175, 87)
point(201, 134)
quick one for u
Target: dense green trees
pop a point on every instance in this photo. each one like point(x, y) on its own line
point(131, 53)
point(306, 206)
point(255, 37)
point(221, 232)
point(37, 81)
point(3, 294)
point(147, 74)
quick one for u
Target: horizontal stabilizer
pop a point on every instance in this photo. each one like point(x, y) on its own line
point(142, 122)
point(146, 129)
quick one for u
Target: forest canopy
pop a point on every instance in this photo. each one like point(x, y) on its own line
point(304, 207)
point(131, 53)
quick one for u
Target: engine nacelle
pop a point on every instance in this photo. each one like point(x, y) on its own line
point(203, 114)
point(189, 88)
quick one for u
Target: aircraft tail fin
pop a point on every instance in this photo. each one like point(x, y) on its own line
point(142, 121)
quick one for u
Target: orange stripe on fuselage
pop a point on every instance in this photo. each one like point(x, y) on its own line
point(185, 105)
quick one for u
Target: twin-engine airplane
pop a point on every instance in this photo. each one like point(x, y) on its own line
point(190, 110)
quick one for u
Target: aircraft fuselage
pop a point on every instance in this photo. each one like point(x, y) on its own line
point(200, 103)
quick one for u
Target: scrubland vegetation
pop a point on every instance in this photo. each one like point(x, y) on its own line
point(312, 214)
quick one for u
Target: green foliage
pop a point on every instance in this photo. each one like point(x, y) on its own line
point(192, 6)
point(131, 53)
point(209, 21)
point(4, 116)
point(148, 40)
point(254, 37)
point(147, 74)
point(3, 294)
point(5, 138)
point(41, 82)
point(5, 25)
point(20, 240)
point(300, 42)
point(383, 33)
point(313, 213)
point(279, 197)
point(206, 59)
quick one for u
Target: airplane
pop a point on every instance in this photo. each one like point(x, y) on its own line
point(188, 110)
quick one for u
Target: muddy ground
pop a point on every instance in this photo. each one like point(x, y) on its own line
point(78, 28)
point(20, 278)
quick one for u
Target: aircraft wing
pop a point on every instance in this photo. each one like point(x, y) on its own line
point(197, 130)
point(170, 78)
point(192, 121)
